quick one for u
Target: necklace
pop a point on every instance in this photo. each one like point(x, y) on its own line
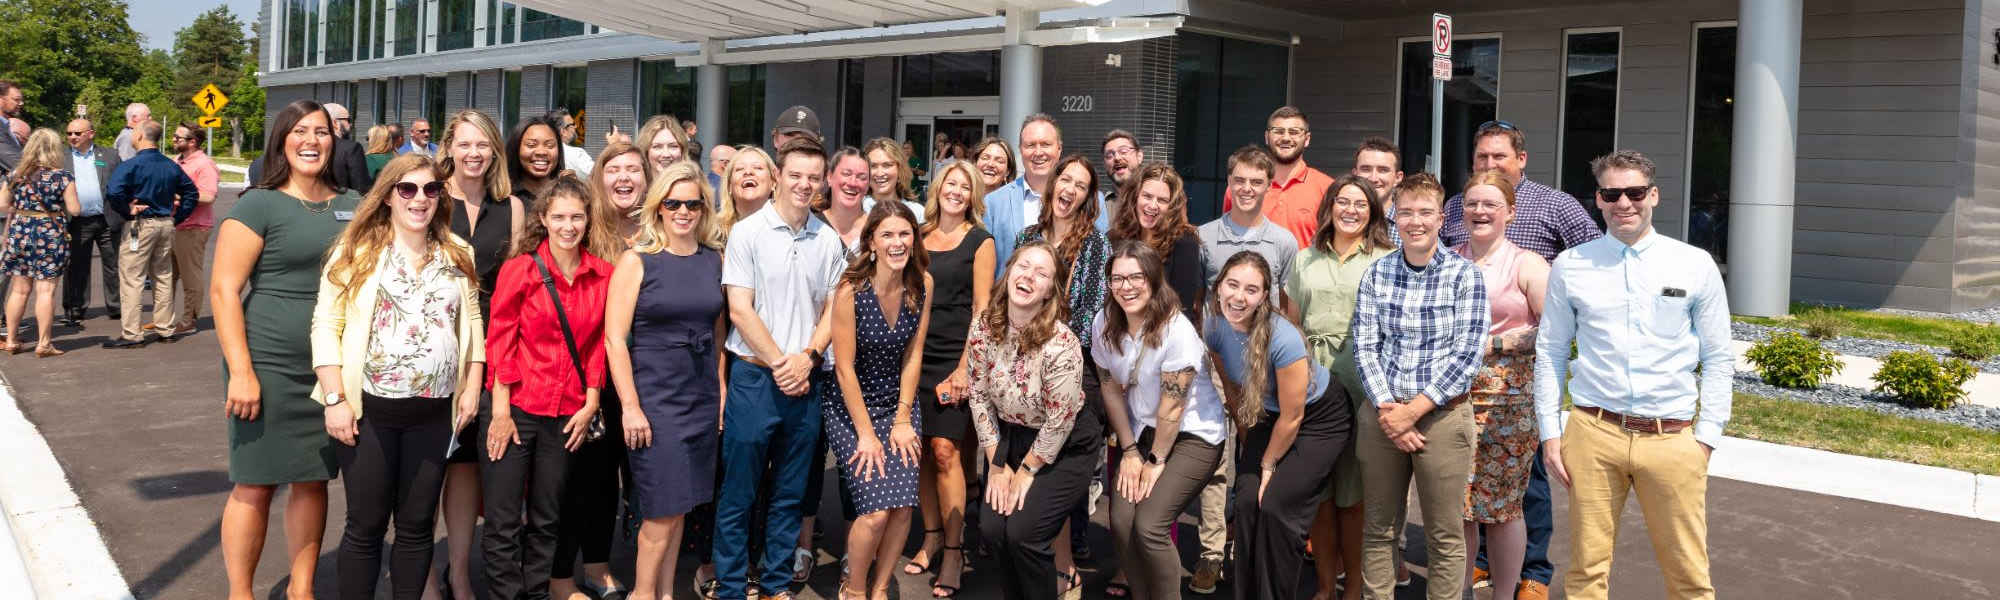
point(323, 206)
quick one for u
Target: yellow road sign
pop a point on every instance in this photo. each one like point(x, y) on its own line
point(210, 99)
point(208, 121)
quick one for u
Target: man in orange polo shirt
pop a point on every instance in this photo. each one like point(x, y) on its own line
point(1296, 188)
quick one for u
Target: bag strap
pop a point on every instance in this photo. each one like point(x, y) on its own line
point(569, 339)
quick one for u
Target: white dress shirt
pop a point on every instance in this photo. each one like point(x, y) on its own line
point(1643, 318)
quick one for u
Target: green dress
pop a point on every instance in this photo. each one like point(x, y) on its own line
point(1325, 287)
point(287, 442)
point(376, 161)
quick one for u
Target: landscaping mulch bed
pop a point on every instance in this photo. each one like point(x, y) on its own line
point(1853, 346)
point(1967, 414)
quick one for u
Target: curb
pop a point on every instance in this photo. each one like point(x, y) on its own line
point(59, 545)
point(1934, 489)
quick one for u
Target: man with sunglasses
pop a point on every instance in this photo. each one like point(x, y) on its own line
point(1651, 389)
point(1546, 222)
point(191, 236)
point(419, 139)
point(93, 229)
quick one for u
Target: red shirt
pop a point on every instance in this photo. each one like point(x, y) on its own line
point(524, 341)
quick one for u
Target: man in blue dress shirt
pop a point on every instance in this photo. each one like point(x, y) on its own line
point(1018, 203)
point(156, 195)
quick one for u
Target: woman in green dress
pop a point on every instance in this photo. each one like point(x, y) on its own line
point(383, 140)
point(1353, 232)
point(273, 241)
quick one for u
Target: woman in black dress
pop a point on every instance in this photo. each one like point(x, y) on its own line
point(666, 294)
point(959, 247)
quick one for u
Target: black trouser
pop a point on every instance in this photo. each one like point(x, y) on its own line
point(85, 234)
point(394, 469)
point(590, 501)
point(1023, 543)
point(1079, 515)
point(1272, 532)
point(520, 551)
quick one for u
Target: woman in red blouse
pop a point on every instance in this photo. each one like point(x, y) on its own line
point(543, 400)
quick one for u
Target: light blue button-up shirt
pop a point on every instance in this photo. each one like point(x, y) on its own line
point(1643, 318)
point(89, 191)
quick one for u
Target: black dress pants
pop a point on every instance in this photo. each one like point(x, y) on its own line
point(520, 532)
point(87, 234)
point(394, 469)
point(1272, 532)
point(590, 500)
point(1023, 543)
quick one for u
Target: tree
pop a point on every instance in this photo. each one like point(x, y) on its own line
point(245, 111)
point(208, 51)
point(54, 49)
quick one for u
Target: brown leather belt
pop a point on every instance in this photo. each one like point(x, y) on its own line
point(1637, 424)
point(40, 214)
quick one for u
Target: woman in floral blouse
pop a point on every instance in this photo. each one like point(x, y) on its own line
point(396, 329)
point(1041, 440)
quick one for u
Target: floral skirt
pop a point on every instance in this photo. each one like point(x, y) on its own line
point(1503, 404)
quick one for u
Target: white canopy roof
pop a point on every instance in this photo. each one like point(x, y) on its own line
point(696, 20)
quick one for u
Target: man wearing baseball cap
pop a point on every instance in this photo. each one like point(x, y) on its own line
point(795, 123)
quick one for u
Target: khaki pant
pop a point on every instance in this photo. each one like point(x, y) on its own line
point(1440, 472)
point(146, 250)
point(190, 252)
point(1214, 529)
point(1669, 473)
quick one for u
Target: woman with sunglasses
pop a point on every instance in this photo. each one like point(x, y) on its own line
point(666, 297)
point(396, 332)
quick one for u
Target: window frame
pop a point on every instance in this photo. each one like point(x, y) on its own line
point(1687, 152)
point(1396, 83)
point(1617, 96)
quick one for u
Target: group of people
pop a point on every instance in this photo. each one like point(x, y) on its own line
point(539, 351)
point(145, 215)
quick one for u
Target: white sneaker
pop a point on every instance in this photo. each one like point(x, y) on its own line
point(802, 565)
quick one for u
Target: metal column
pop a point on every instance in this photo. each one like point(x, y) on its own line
point(1020, 75)
point(711, 89)
point(1763, 157)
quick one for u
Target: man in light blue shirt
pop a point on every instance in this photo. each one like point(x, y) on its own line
point(92, 230)
point(1018, 204)
point(1646, 312)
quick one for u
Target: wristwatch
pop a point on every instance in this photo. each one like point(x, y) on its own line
point(1030, 469)
point(815, 356)
point(335, 399)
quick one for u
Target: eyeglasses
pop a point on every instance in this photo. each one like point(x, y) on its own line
point(421, 131)
point(1291, 131)
point(176, 137)
point(1119, 281)
point(671, 204)
point(409, 190)
point(1635, 193)
point(1122, 152)
point(1497, 124)
point(76, 133)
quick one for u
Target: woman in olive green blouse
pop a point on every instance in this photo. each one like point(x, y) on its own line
point(1353, 232)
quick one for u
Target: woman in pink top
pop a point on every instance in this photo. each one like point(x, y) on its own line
point(1501, 394)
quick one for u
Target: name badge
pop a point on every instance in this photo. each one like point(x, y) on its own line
point(100, 163)
point(1673, 292)
point(343, 215)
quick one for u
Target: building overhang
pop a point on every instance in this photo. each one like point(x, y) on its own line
point(697, 20)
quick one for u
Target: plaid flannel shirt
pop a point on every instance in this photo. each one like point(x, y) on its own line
point(1420, 332)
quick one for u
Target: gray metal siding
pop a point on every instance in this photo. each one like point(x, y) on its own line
point(612, 98)
point(456, 91)
point(413, 100)
point(364, 106)
point(1976, 228)
point(814, 84)
point(534, 91)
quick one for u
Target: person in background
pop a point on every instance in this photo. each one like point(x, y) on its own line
point(158, 195)
point(961, 253)
point(39, 197)
point(795, 123)
point(545, 349)
point(694, 148)
point(889, 177)
point(382, 144)
point(1245, 226)
point(944, 151)
point(664, 143)
point(190, 246)
point(12, 101)
point(620, 183)
point(1014, 206)
point(1379, 162)
point(574, 158)
point(419, 139)
point(1501, 393)
point(1419, 331)
point(1296, 187)
point(749, 183)
point(846, 195)
point(718, 162)
point(1122, 158)
point(349, 160)
point(534, 159)
point(396, 332)
point(1326, 276)
point(135, 114)
point(993, 159)
point(1649, 387)
point(666, 296)
point(273, 241)
point(94, 229)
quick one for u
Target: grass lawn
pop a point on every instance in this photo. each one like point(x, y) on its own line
point(1878, 325)
point(1867, 433)
point(234, 162)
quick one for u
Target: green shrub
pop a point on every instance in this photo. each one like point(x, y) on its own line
point(1822, 324)
point(1975, 343)
point(1789, 360)
point(1920, 380)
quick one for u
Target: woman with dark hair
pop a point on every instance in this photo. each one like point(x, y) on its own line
point(1026, 395)
point(1159, 219)
point(273, 241)
point(534, 157)
point(396, 331)
point(1293, 422)
point(1353, 231)
point(994, 159)
point(1164, 410)
point(546, 350)
point(880, 311)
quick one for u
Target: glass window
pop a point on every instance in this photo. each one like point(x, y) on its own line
point(1469, 99)
point(408, 30)
point(853, 82)
point(434, 96)
point(380, 10)
point(746, 104)
point(665, 89)
point(538, 25)
point(1227, 89)
point(509, 17)
point(312, 34)
point(296, 14)
point(510, 98)
point(365, 14)
point(1590, 111)
point(455, 24)
point(951, 74)
point(339, 31)
point(382, 108)
point(1709, 149)
point(568, 88)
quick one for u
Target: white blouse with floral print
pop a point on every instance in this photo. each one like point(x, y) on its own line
point(1042, 390)
point(413, 343)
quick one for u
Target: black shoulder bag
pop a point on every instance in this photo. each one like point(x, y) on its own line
point(596, 429)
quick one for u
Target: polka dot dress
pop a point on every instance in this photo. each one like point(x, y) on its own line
point(880, 349)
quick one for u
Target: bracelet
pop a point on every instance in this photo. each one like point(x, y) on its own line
point(1270, 468)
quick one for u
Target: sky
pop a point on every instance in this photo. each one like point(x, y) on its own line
point(157, 20)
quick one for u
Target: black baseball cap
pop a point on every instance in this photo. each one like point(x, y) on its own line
point(798, 119)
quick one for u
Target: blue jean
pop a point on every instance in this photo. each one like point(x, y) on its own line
point(763, 430)
point(1538, 516)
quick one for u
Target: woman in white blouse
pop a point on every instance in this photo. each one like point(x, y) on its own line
point(396, 330)
point(1040, 440)
point(1164, 410)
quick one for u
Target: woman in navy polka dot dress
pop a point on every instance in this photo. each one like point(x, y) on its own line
point(880, 313)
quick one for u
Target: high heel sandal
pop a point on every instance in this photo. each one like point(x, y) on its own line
point(949, 590)
point(912, 568)
point(47, 351)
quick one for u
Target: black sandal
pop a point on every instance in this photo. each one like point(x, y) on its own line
point(1115, 589)
point(912, 568)
point(949, 590)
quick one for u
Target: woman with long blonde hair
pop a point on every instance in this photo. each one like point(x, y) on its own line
point(396, 330)
point(41, 197)
point(889, 176)
point(747, 184)
point(663, 142)
point(383, 140)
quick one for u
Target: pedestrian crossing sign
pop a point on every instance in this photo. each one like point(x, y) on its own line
point(210, 99)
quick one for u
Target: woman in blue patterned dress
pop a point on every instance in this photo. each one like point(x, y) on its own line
point(40, 197)
point(880, 312)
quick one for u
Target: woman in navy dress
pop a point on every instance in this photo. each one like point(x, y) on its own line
point(880, 312)
point(41, 197)
point(667, 295)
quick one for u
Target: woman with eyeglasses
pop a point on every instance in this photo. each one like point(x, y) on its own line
point(1159, 220)
point(666, 298)
point(396, 332)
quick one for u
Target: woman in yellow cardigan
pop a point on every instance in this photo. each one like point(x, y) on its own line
point(396, 330)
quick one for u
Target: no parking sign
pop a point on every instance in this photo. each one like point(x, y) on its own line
point(1441, 46)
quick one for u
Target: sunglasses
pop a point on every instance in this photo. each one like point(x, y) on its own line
point(1635, 193)
point(673, 205)
point(1497, 124)
point(409, 190)
point(75, 133)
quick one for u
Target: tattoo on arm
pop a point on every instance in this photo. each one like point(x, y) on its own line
point(1174, 387)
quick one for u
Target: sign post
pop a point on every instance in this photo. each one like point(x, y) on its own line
point(1440, 73)
point(210, 100)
